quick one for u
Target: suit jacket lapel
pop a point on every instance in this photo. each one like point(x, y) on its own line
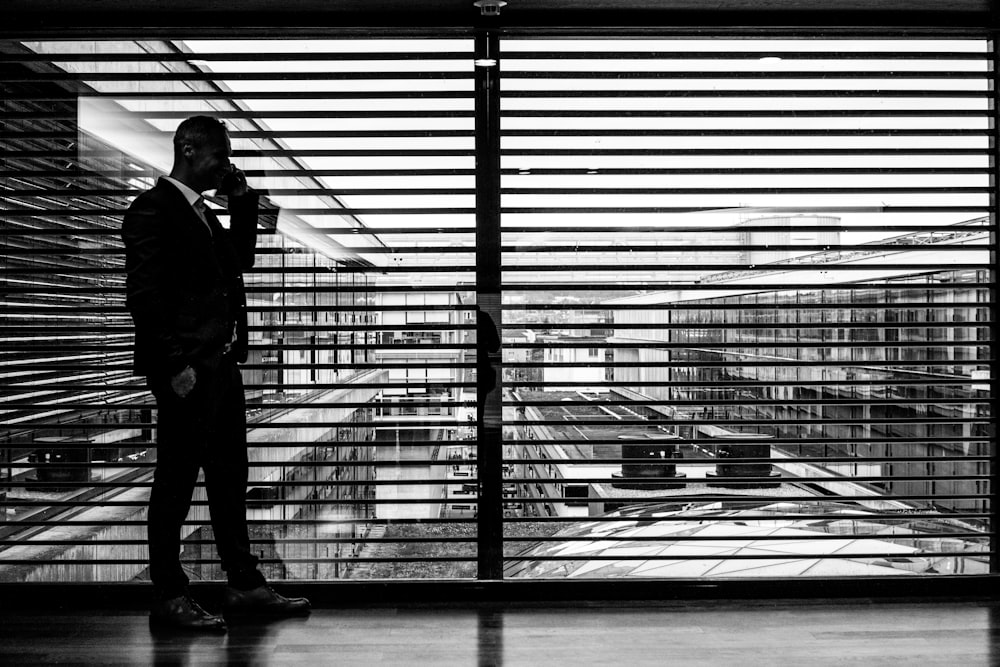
point(213, 221)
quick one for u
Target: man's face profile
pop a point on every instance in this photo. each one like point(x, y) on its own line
point(208, 163)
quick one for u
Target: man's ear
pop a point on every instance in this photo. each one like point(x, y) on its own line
point(187, 150)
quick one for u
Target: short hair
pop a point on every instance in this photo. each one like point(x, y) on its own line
point(198, 131)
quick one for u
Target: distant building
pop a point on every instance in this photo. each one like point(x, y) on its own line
point(579, 364)
point(922, 354)
point(425, 340)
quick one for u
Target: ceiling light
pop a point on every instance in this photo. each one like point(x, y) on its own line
point(490, 7)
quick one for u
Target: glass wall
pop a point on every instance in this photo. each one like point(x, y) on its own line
point(746, 304)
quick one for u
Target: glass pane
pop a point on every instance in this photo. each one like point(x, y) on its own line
point(358, 384)
point(746, 307)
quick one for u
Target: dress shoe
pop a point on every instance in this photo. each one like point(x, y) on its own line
point(262, 601)
point(183, 613)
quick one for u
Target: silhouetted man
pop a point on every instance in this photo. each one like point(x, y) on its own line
point(186, 295)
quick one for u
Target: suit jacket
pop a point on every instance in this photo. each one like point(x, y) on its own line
point(184, 285)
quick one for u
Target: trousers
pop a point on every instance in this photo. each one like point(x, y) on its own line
point(204, 431)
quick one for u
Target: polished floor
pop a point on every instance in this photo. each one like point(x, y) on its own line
point(741, 634)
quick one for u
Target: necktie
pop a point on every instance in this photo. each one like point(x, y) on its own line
point(199, 208)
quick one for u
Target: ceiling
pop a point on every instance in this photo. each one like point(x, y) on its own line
point(59, 15)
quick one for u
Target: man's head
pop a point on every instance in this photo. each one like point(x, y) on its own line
point(201, 153)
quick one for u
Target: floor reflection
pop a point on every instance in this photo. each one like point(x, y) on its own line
point(183, 648)
point(247, 642)
point(489, 635)
point(250, 642)
point(993, 631)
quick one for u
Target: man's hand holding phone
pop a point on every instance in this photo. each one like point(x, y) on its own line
point(234, 183)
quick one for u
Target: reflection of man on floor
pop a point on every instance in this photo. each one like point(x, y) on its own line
point(186, 295)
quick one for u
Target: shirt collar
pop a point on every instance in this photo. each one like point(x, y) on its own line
point(190, 195)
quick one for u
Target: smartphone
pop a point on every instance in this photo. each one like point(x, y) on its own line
point(229, 181)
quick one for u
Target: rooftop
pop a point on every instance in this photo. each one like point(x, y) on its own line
point(741, 540)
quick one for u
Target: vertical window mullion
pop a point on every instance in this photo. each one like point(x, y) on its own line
point(995, 216)
point(488, 398)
